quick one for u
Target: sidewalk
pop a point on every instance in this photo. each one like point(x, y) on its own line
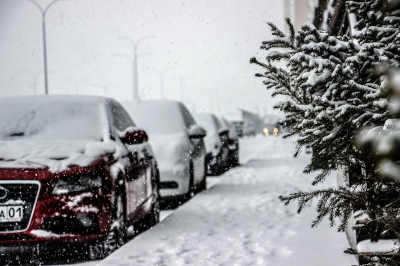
point(241, 221)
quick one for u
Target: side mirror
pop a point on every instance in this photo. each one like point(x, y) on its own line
point(134, 136)
point(223, 132)
point(196, 132)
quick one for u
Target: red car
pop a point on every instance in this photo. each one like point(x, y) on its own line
point(74, 171)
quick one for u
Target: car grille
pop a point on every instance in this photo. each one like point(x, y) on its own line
point(25, 191)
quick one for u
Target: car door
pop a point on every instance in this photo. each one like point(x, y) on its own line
point(136, 174)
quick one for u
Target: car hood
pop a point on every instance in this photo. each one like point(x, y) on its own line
point(57, 156)
point(171, 150)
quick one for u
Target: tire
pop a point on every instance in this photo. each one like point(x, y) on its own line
point(220, 169)
point(155, 205)
point(203, 184)
point(153, 217)
point(192, 188)
point(117, 235)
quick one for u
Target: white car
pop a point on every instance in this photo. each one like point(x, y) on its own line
point(216, 143)
point(178, 145)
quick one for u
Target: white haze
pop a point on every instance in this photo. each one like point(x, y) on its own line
point(209, 41)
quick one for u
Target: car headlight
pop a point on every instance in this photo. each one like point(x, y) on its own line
point(77, 184)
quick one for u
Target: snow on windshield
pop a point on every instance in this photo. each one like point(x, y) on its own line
point(46, 120)
point(157, 117)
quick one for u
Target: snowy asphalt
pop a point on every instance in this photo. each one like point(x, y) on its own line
point(239, 219)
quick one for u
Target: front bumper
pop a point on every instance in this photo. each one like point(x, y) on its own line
point(81, 217)
point(174, 183)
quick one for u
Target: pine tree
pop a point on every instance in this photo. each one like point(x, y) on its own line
point(383, 143)
point(334, 92)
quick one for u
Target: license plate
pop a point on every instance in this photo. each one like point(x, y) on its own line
point(11, 213)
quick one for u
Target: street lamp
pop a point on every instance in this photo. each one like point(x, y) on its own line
point(135, 75)
point(44, 12)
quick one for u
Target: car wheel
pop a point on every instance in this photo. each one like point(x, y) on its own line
point(116, 236)
point(192, 188)
point(155, 206)
point(153, 217)
point(203, 184)
point(220, 169)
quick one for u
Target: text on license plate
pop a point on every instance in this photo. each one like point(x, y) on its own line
point(11, 213)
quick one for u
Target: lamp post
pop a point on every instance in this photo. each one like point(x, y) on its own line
point(135, 75)
point(44, 12)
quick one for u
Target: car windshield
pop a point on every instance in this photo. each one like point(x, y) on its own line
point(157, 117)
point(50, 121)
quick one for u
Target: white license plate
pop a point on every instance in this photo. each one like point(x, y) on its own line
point(11, 213)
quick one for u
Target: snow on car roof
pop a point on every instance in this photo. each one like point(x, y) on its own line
point(157, 116)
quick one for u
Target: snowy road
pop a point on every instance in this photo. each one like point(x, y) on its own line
point(241, 221)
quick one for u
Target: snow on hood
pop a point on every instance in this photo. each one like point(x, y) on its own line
point(172, 151)
point(56, 155)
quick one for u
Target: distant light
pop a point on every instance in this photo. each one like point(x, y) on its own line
point(275, 133)
point(265, 130)
point(275, 130)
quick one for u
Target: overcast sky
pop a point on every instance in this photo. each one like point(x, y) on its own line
point(208, 43)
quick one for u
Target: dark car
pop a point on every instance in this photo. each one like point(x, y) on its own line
point(233, 143)
point(74, 172)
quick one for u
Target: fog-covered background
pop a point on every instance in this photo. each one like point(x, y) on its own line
point(207, 43)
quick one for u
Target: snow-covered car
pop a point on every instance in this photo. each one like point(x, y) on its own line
point(178, 146)
point(233, 143)
point(74, 172)
point(216, 143)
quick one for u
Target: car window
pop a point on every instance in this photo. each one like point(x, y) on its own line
point(208, 122)
point(120, 118)
point(217, 122)
point(187, 116)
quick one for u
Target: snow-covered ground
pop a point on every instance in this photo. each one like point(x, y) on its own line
point(239, 220)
